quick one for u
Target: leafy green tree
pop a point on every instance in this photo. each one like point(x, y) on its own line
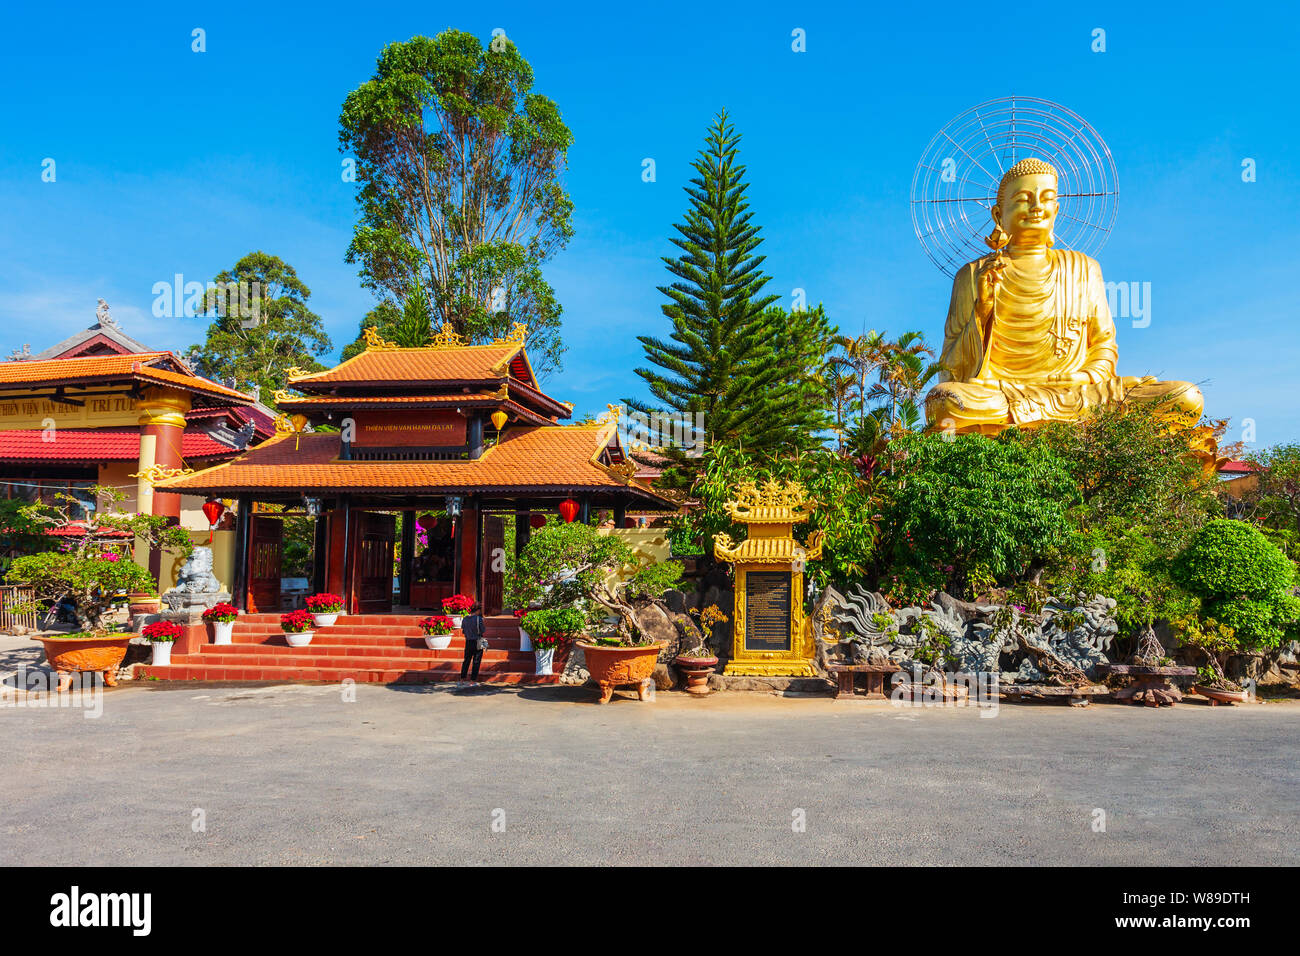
point(87, 572)
point(272, 329)
point(1243, 580)
point(723, 357)
point(459, 169)
point(571, 564)
point(955, 503)
point(1275, 499)
point(844, 509)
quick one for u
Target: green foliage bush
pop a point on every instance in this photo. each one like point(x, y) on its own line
point(952, 503)
point(1243, 581)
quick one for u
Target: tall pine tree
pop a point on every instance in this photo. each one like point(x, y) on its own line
point(723, 357)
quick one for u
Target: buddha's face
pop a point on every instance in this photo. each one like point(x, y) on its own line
point(1028, 209)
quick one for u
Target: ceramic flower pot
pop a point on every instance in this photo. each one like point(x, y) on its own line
point(67, 655)
point(325, 620)
point(222, 632)
point(612, 666)
point(697, 671)
point(299, 639)
point(162, 654)
point(437, 642)
point(525, 640)
point(456, 619)
point(545, 658)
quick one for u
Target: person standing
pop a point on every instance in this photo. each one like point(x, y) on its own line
point(472, 628)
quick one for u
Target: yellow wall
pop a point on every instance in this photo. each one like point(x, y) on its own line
point(651, 546)
point(223, 560)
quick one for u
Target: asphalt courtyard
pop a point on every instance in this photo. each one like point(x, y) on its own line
point(298, 774)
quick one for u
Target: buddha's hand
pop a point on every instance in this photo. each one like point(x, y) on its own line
point(989, 276)
point(1071, 378)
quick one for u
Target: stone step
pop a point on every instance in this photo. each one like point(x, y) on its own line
point(289, 674)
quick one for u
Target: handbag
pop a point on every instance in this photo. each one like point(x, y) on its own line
point(482, 642)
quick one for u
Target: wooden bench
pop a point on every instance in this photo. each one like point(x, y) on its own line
point(1074, 696)
point(846, 677)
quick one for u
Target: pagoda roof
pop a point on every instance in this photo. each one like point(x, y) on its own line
point(327, 404)
point(543, 459)
point(98, 444)
point(447, 367)
point(146, 368)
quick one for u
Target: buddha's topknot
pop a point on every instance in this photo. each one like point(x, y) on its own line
point(1026, 167)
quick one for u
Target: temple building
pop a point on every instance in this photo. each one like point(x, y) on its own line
point(459, 440)
point(102, 408)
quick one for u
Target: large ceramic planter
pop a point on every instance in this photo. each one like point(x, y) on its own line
point(697, 671)
point(325, 620)
point(456, 619)
point(611, 667)
point(68, 655)
point(437, 642)
point(300, 639)
point(1217, 696)
point(222, 632)
point(525, 640)
point(545, 658)
point(140, 603)
point(162, 654)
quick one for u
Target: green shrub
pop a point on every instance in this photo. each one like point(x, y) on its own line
point(1242, 579)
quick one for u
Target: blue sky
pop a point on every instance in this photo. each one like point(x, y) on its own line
point(170, 161)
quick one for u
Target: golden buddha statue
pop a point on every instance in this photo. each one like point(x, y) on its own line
point(1029, 336)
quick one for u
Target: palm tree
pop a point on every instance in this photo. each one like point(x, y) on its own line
point(863, 355)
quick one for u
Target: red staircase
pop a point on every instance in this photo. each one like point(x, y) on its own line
point(369, 648)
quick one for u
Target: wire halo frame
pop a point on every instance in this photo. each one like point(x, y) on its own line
point(955, 183)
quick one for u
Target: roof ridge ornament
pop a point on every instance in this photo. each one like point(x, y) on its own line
point(517, 335)
point(376, 342)
point(447, 338)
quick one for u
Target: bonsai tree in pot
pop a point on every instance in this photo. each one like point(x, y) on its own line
point(572, 565)
point(84, 571)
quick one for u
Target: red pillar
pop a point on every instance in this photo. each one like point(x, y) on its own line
point(467, 529)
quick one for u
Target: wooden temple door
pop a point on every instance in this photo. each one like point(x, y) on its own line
point(492, 580)
point(372, 576)
point(265, 556)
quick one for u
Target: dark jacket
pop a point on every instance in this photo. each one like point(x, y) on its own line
point(472, 628)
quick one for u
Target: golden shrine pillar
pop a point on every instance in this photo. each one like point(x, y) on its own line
point(770, 636)
point(162, 429)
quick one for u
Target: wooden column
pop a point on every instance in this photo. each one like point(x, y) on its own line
point(408, 558)
point(349, 545)
point(320, 554)
point(243, 529)
point(468, 530)
point(620, 514)
point(523, 528)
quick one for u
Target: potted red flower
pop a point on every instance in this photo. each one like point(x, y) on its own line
point(437, 631)
point(325, 608)
point(525, 639)
point(222, 618)
point(161, 635)
point(457, 606)
point(297, 627)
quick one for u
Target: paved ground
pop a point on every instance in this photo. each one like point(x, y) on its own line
point(294, 774)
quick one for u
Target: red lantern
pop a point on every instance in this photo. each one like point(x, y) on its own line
point(537, 520)
point(213, 510)
point(568, 509)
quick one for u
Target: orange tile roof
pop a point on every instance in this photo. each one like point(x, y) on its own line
point(469, 363)
point(93, 369)
point(313, 401)
point(549, 457)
